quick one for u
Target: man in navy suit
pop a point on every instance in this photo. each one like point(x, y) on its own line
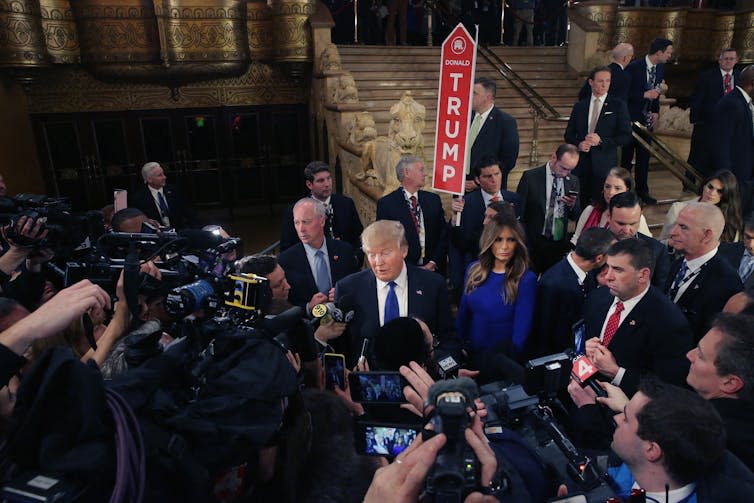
point(732, 131)
point(598, 125)
point(646, 76)
point(342, 218)
point(631, 327)
point(740, 255)
point(562, 290)
point(492, 132)
point(701, 281)
point(389, 289)
point(711, 86)
point(316, 263)
point(464, 239)
point(549, 198)
point(421, 214)
point(620, 81)
point(160, 202)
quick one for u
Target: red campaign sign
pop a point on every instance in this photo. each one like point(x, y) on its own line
point(454, 111)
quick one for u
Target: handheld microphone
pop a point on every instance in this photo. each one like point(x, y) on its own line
point(584, 372)
point(448, 367)
point(329, 311)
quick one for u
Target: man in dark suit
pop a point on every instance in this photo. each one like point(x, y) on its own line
point(342, 218)
point(620, 81)
point(646, 76)
point(549, 198)
point(492, 132)
point(391, 289)
point(740, 255)
point(562, 290)
point(464, 239)
point(598, 125)
point(701, 281)
point(711, 86)
point(732, 131)
point(631, 327)
point(160, 202)
point(421, 214)
point(625, 218)
point(314, 265)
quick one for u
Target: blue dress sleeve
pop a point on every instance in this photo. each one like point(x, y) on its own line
point(464, 313)
point(524, 310)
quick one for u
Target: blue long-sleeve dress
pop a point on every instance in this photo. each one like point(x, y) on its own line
point(485, 321)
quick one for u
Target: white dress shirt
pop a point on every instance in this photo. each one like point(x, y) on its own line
point(154, 192)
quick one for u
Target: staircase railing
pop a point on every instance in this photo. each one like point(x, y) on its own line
point(685, 172)
point(540, 108)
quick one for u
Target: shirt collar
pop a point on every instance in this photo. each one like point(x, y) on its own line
point(600, 98)
point(649, 63)
point(155, 191)
point(312, 251)
point(488, 197)
point(401, 281)
point(673, 496)
point(724, 73)
point(326, 202)
point(487, 112)
point(631, 303)
point(408, 194)
point(698, 262)
point(579, 272)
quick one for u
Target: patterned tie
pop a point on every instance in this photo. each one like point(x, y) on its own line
point(726, 84)
point(678, 281)
point(392, 311)
point(652, 76)
point(612, 324)
point(330, 221)
point(323, 278)
point(552, 203)
point(163, 204)
point(415, 213)
point(595, 115)
point(746, 267)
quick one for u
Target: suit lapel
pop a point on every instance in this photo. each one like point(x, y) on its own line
point(304, 261)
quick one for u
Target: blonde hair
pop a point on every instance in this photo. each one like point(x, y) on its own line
point(383, 231)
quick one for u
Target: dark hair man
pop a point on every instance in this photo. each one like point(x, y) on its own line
point(549, 198)
point(625, 338)
point(625, 219)
point(492, 132)
point(342, 221)
point(647, 74)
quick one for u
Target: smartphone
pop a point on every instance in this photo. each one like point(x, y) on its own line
point(377, 387)
point(335, 371)
point(573, 193)
point(120, 199)
point(378, 439)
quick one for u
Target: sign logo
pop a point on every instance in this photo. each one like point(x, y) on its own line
point(583, 368)
point(458, 46)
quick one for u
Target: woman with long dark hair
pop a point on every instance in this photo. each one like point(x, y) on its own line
point(497, 305)
point(720, 189)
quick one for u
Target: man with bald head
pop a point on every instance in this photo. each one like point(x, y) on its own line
point(620, 81)
point(701, 281)
point(732, 130)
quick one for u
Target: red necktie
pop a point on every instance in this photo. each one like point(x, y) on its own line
point(414, 217)
point(612, 324)
point(726, 83)
point(494, 199)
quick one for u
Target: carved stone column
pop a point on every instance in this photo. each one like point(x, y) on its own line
point(259, 27)
point(743, 36)
point(23, 51)
point(291, 35)
point(640, 25)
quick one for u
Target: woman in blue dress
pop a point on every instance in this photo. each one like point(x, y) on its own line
point(497, 306)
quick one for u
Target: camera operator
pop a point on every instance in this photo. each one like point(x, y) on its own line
point(671, 443)
point(26, 229)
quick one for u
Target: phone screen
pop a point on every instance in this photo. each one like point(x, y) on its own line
point(335, 371)
point(386, 440)
point(377, 387)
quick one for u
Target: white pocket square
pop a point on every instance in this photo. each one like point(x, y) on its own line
point(608, 113)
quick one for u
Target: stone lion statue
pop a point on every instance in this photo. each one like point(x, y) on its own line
point(345, 91)
point(330, 59)
point(380, 155)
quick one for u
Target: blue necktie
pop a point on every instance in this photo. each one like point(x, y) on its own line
point(392, 311)
point(678, 280)
point(163, 204)
point(323, 278)
point(746, 266)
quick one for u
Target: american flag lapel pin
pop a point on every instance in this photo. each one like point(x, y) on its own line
point(419, 292)
point(632, 323)
point(335, 258)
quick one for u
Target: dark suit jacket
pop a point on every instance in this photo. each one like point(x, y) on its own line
point(347, 225)
point(662, 261)
point(533, 191)
point(560, 304)
point(707, 293)
point(653, 339)
point(300, 276)
point(708, 91)
point(637, 72)
point(466, 236)
point(498, 137)
point(394, 207)
point(180, 211)
point(613, 128)
point(620, 81)
point(733, 136)
point(733, 253)
point(427, 298)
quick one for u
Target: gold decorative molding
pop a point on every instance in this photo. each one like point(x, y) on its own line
point(70, 90)
point(59, 27)
point(604, 14)
point(697, 34)
point(723, 31)
point(743, 36)
point(291, 35)
point(259, 28)
point(640, 25)
point(21, 42)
